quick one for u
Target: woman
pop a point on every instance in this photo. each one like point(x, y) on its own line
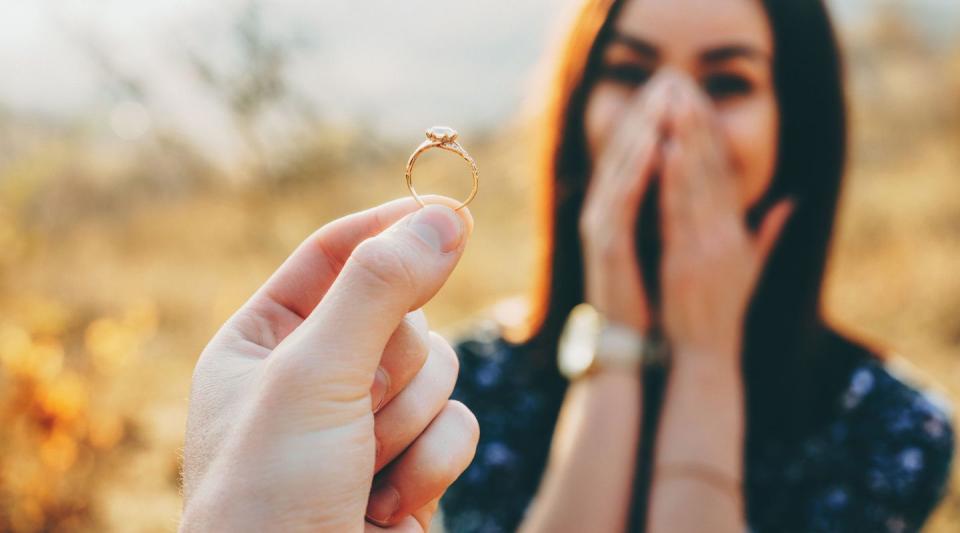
point(694, 162)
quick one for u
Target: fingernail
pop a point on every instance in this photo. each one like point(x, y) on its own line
point(439, 226)
point(384, 501)
point(381, 384)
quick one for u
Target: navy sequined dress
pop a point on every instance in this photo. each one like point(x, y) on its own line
point(882, 465)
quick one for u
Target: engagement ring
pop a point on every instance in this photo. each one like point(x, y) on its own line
point(445, 139)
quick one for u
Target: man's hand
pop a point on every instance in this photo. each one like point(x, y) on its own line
point(329, 376)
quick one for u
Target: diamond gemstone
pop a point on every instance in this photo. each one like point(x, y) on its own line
point(442, 134)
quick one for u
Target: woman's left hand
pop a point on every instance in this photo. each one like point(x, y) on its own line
point(711, 262)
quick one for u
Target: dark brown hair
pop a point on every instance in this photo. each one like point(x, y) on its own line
point(794, 365)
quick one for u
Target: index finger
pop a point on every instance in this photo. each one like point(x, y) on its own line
point(298, 285)
point(334, 353)
point(644, 110)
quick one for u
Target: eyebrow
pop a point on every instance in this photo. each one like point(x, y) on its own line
point(718, 54)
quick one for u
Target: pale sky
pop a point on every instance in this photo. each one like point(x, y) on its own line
point(395, 64)
point(398, 65)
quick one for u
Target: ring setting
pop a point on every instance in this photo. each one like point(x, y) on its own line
point(446, 139)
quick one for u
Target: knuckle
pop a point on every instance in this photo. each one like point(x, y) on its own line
point(408, 343)
point(384, 262)
point(608, 249)
point(450, 442)
point(611, 249)
point(725, 242)
point(446, 356)
point(288, 366)
point(418, 319)
point(319, 240)
point(284, 372)
point(588, 221)
point(456, 450)
point(465, 419)
point(290, 381)
point(281, 381)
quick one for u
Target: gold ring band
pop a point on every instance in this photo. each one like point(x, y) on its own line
point(445, 139)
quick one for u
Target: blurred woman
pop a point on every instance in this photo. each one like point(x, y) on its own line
point(695, 152)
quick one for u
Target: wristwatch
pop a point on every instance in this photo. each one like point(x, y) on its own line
point(590, 342)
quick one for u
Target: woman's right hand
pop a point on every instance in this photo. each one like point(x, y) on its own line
point(608, 220)
point(589, 476)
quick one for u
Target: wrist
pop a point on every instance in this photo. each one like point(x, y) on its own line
point(591, 343)
point(716, 355)
point(705, 368)
point(608, 297)
point(605, 377)
point(600, 248)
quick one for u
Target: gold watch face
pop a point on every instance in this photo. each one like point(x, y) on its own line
point(578, 342)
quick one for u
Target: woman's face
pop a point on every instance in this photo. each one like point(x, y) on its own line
point(726, 47)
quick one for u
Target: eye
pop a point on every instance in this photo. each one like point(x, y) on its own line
point(625, 74)
point(721, 86)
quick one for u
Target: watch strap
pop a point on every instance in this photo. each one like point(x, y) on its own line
point(620, 347)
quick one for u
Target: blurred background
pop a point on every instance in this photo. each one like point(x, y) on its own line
point(159, 158)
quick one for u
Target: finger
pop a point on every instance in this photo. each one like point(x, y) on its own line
point(408, 525)
point(705, 191)
point(640, 119)
point(701, 123)
point(400, 422)
point(425, 514)
point(629, 156)
point(684, 125)
point(771, 228)
point(294, 290)
point(335, 352)
point(673, 203)
point(428, 467)
point(636, 171)
point(403, 357)
point(699, 128)
point(418, 522)
point(624, 173)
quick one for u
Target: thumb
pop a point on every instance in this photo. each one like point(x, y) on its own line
point(385, 277)
point(772, 227)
